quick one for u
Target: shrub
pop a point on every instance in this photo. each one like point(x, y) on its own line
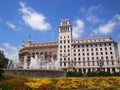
point(116, 74)
point(92, 74)
point(2, 65)
point(74, 74)
point(103, 73)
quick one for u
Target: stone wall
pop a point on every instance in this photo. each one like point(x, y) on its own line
point(36, 72)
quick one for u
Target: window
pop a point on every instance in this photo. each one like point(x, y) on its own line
point(83, 54)
point(78, 46)
point(105, 48)
point(87, 49)
point(68, 41)
point(112, 62)
point(111, 53)
point(87, 53)
point(60, 54)
point(96, 53)
point(60, 41)
point(88, 63)
point(96, 45)
point(92, 58)
point(82, 49)
point(110, 48)
point(86, 45)
point(68, 58)
point(78, 54)
point(100, 44)
point(109, 44)
point(102, 58)
point(74, 58)
point(74, 54)
point(83, 58)
point(74, 50)
point(83, 63)
point(64, 41)
point(101, 53)
point(64, 64)
point(92, 54)
point(82, 45)
point(107, 58)
point(64, 58)
point(87, 58)
point(105, 44)
point(111, 57)
point(74, 46)
point(60, 37)
point(93, 63)
point(60, 64)
point(92, 49)
point(78, 58)
point(68, 50)
point(60, 46)
point(100, 49)
point(64, 50)
point(106, 53)
point(78, 50)
point(68, 46)
point(64, 46)
point(68, 54)
point(60, 50)
point(97, 58)
point(96, 49)
point(97, 62)
point(60, 59)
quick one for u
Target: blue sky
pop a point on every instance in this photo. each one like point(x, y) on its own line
point(40, 19)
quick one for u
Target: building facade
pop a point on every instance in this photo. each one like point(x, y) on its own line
point(87, 54)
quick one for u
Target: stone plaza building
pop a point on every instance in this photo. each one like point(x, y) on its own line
point(84, 54)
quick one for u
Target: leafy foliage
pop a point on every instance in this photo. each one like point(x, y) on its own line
point(74, 74)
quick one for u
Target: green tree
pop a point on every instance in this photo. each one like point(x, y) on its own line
point(2, 65)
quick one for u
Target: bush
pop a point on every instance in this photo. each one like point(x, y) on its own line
point(116, 74)
point(92, 74)
point(74, 74)
point(103, 73)
point(2, 65)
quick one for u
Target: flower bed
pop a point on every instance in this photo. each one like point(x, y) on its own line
point(65, 83)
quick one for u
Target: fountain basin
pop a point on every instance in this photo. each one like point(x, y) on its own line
point(35, 72)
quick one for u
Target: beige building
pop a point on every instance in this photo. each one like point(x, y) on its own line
point(88, 54)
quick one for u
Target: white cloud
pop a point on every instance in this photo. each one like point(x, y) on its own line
point(95, 8)
point(33, 19)
point(82, 9)
point(93, 19)
point(78, 28)
point(109, 26)
point(91, 13)
point(11, 25)
point(10, 52)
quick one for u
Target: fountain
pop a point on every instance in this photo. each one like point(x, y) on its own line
point(38, 67)
point(40, 63)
